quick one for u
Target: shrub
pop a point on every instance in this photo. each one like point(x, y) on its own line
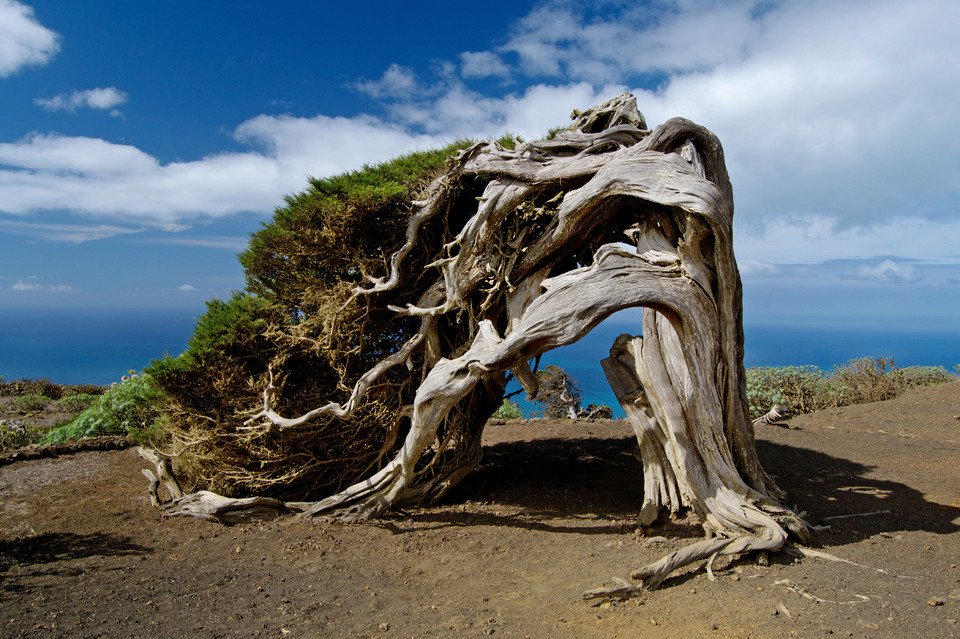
point(83, 389)
point(919, 376)
point(802, 388)
point(807, 388)
point(509, 410)
point(15, 434)
point(128, 408)
point(76, 403)
point(31, 403)
point(25, 386)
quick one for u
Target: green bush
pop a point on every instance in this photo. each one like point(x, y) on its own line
point(509, 410)
point(30, 403)
point(802, 388)
point(76, 403)
point(919, 376)
point(807, 388)
point(128, 408)
point(15, 434)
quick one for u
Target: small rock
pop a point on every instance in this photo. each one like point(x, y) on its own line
point(735, 577)
point(936, 601)
point(384, 626)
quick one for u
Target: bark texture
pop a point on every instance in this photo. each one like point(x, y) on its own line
point(605, 216)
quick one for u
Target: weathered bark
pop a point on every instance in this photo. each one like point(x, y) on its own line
point(540, 263)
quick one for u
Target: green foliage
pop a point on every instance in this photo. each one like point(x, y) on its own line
point(553, 131)
point(128, 408)
point(802, 388)
point(509, 141)
point(509, 410)
point(339, 229)
point(15, 434)
point(807, 388)
point(31, 403)
point(297, 327)
point(76, 403)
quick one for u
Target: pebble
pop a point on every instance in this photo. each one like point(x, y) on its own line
point(936, 601)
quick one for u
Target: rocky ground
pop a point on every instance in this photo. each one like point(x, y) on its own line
point(548, 515)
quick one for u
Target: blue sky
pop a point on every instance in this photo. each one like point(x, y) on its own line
point(141, 143)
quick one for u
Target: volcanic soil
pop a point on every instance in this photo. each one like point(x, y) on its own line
point(548, 515)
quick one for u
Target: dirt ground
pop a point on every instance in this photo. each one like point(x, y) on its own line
point(548, 515)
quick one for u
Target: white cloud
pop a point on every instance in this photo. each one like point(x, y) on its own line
point(755, 267)
point(23, 41)
point(102, 99)
point(186, 288)
point(98, 178)
point(396, 82)
point(818, 239)
point(482, 64)
point(69, 233)
point(826, 110)
point(465, 113)
point(25, 286)
point(20, 285)
point(890, 271)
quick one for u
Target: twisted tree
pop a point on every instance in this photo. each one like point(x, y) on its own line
point(506, 255)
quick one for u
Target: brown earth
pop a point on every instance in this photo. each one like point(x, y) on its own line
point(548, 515)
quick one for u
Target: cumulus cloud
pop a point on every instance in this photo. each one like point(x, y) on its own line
point(827, 111)
point(460, 111)
point(482, 64)
point(186, 288)
point(24, 41)
point(91, 176)
point(103, 99)
point(396, 82)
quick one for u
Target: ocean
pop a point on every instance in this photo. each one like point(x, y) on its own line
point(99, 346)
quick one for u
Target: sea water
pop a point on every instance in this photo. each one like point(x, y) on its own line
point(98, 346)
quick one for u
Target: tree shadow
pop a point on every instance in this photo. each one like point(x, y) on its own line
point(554, 484)
point(47, 553)
point(838, 492)
point(593, 484)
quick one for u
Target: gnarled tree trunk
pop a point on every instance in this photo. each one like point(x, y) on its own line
point(604, 217)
